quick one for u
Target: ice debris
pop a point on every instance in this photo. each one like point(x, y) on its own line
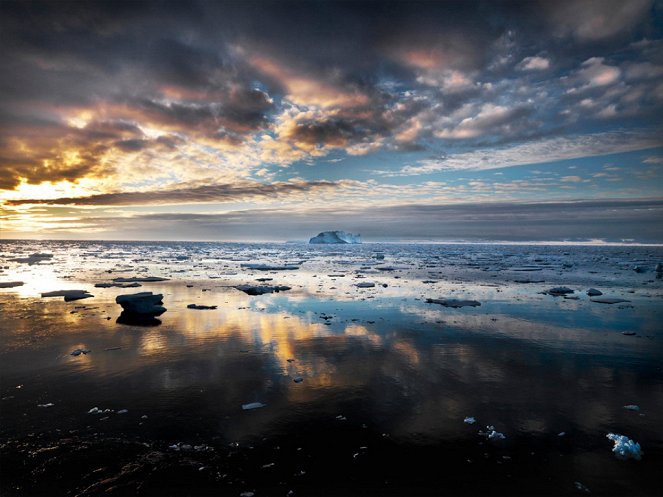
point(470, 420)
point(143, 304)
point(491, 434)
point(69, 295)
point(609, 300)
point(10, 284)
point(50, 404)
point(558, 291)
point(200, 307)
point(625, 448)
point(253, 405)
point(261, 289)
point(632, 407)
point(455, 303)
point(582, 488)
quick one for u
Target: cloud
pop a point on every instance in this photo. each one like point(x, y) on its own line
point(596, 20)
point(241, 191)
point(537, 152)
point(535, 63)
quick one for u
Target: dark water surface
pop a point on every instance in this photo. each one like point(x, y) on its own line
point(388, 379)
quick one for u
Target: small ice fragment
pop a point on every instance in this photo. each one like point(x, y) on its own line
point(496, 435)
point(144, 416)
point(246, 494)
point(268, 465)
point(174, 447)
point(625, 448)
point(253, 405)
point(561, 434)
point(470, 420)
point(632, 407)
point(94, 410)
point(122, 411)
point(50, 404)
point(582, 488)
point(491, 434)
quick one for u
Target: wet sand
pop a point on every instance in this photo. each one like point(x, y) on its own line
point(384, 383)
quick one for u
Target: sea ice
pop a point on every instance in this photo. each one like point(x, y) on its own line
point(625, 448)
point(200, 307)
point(261, 289)
point(69, 295)
point(455, 303)
point(559, 291)
point(609, 300)
point(632, 407)
point(469, 420)
point(10, 284)
point(253, 405)
point(143, 304)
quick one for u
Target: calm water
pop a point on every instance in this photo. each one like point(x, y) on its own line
point(388, 379)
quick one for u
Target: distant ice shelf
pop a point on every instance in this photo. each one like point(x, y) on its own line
point(335, 237)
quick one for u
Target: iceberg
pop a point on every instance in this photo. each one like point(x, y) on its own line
point(335, 237)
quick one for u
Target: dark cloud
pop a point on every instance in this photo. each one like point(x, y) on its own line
point(244, 191)
point(397, 75)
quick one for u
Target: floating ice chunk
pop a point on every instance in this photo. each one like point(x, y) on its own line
point(632, 407)
point(582, 488)
point(561, 434)
point(69, 295)
point(123, 411)
point(496, 435)
point(261, 289)
point(625, 448)
point(491, 434)
point(50, 404)
point(455, 303)
point(609, 300)
point(94, 410)
point(558, 291)
point(201, 307)
point(10, 284)
point(469, 420)
point(246, 494)
point(253, 405)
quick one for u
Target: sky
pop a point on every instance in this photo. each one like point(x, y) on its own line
point(273, 121)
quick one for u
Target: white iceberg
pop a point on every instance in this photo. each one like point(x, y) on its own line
point(335, 237)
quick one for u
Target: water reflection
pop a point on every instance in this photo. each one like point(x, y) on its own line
point(377, 364)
